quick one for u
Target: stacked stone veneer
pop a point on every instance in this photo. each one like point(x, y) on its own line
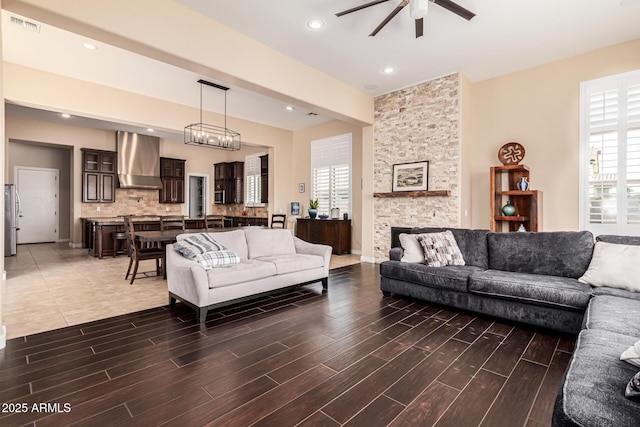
point(418, 123)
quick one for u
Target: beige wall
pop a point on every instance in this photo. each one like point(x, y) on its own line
point(39, 89)
point(27, 154)
point(539, 108)
point(198, 161)
point(3, 157)
point(466, 155)
point(301, 170)
point(258, 67)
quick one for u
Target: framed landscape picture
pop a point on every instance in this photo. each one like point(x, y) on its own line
point(411, 176)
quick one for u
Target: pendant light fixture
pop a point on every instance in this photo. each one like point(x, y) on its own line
point(211, 136)
point(418, 8)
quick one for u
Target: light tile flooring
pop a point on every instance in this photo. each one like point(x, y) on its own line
point(50, 286)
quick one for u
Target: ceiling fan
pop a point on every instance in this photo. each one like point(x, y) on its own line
point(418, 9)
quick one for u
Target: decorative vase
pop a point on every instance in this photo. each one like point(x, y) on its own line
point(523, 184)
point(521, 229)
point(313, 213)
point(509, 209)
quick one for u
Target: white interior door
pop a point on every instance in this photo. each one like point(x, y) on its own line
point(38, 216)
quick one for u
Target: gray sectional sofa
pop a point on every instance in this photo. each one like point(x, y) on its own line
point(524, 277)
point(533, 278)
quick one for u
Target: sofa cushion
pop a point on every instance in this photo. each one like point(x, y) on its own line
point(613, 314)
point(615, 266)
point(595, 382)
point(246, 271)
point(440, 249)
point(472, 243)
point(614, 292)
point(449, 277)
point(539, 289)
point(292, 263)
point(269, 242)
point(233, 240)
point(558, 253)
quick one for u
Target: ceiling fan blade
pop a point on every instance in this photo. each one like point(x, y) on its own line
point(362, 6)
point(419, 27)
point(389, 17)
point(455, 8)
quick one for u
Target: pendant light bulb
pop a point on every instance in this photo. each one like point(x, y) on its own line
point(418, 8)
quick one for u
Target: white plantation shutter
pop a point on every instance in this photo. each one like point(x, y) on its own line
point(611, 154)
point(331, 173)
point(252, 181)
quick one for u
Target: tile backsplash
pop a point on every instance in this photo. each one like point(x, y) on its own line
point(131, 201)
point(146, 202)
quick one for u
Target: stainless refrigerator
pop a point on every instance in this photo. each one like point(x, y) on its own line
point(11, 208)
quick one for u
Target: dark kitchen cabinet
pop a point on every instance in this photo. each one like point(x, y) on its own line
point(264, 179)
point(172, 177)
point(98, 176)
point(333, 232)
point(229, 182)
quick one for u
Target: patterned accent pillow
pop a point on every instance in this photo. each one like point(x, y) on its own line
point(215, 259)
point(440, 249)
point(632, 390)
point(197, 244)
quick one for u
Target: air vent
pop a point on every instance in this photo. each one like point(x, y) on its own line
point(27, 25)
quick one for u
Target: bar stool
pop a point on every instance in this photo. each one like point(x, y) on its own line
point(118, 249)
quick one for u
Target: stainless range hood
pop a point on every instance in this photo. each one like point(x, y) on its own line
point(138, 161)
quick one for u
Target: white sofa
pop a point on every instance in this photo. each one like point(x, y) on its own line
point(269, 259)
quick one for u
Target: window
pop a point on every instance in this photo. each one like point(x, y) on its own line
point(331, 173)
point(610, 154)
point(252, 181)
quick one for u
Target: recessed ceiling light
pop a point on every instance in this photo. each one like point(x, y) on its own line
point(315, 23)
point(289, 108)
point(90, 46)
point(149, 130)
point(65, 115)
point(388, 70)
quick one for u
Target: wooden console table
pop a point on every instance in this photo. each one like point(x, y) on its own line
point(333, 232)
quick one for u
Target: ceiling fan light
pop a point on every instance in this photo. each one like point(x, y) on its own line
point(418, 8)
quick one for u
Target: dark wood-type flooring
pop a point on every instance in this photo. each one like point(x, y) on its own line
point(344, 357)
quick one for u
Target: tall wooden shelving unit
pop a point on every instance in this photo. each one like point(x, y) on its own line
point(528, 204)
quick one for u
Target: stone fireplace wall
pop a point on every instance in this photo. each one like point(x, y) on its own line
point(414, 124)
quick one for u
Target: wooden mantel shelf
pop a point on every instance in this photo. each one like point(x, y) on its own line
point(436, 193)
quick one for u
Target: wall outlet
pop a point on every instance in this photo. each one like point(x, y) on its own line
point(167, 208)
point(98, 208)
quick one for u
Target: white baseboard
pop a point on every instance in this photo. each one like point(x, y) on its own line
point(356, 252)
point(63, 240)
point(75, 245)
point(3, 337)
point(368, 259)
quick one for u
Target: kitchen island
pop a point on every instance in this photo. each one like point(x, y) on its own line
point(97, 233)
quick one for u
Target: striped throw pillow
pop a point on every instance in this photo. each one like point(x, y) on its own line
point(197, 244)
point(216, 259)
